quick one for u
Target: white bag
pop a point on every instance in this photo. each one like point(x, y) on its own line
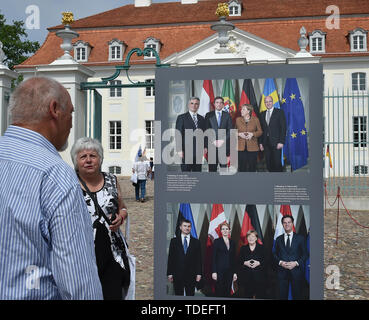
point(134, 177)
point(130, 294)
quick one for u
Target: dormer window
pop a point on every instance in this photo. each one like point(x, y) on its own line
point(81, 51)
point(317, 41)
point(154, 44)
point(358, 40)
point(234, 8)
point(116, 50)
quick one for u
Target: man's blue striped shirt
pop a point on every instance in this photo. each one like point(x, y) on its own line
point(46, 236)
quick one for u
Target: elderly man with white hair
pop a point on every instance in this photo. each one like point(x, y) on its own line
point(46, 237)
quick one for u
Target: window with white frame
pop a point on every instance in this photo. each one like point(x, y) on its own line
point(149, 136)
point(360, 131)
point(358, 40)
point(234, 8)
point(154, 44)
point(116, 50)
point(115, 170)
point(149, 91)
point(358, 81)
point(115, 135)
point(81, 51)
point(115, 92)
point(317, 41)
point(361, 169)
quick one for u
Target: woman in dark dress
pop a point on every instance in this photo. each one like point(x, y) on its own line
point(251, 267)
point(102, 189)
point(224, 262)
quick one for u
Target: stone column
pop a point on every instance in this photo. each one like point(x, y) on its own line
point(6, 77)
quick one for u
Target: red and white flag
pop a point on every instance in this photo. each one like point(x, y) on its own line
point(206, 98)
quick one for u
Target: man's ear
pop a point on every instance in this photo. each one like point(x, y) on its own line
point(54, 109)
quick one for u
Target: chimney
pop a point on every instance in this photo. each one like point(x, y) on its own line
point(142, 3)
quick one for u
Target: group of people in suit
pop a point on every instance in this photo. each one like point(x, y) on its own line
point(264, 133)
point(290, 253)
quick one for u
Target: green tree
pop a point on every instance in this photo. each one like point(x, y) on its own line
point(15, 44)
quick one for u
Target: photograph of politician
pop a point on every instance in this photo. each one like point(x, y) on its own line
point(240, 125)
point(238, 251)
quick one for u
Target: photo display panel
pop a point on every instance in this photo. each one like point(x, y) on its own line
point(242, 169)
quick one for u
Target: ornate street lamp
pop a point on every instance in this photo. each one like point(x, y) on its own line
point(222, 27)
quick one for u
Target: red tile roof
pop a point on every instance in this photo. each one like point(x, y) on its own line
point(181, 26)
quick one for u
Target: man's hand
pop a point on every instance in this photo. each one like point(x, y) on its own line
point(170, 278)
point(279, 146)
point(261, 147)
point(198, 277)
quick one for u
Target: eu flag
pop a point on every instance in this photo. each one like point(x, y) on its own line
point(185, 212)
point(296, 147)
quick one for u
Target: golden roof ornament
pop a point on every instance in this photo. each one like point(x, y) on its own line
point(222, 10)
point(67, 18)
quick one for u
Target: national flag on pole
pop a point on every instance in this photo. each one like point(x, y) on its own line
point(139, 153)
point(248, 97)
point(285, 210)
point(328, 154)
point(229, 100)
point(217, 217)
point(185, 212)
point(269, 90)
point(250, 222)
point(296, 146)
point(206, 98)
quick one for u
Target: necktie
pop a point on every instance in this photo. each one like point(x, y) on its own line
point(268, 117)
point(219, 116)
point(288, 241)
point(185, 246)
point(195, 120)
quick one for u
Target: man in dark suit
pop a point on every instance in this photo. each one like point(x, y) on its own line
point(273, 123)
point(290, 254)
point(221, 122)
point(184, 261)
point(193, 122)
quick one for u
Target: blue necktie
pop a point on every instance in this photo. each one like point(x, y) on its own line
point(219, 116)
point(185, 246)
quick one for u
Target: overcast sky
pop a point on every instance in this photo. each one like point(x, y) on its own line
point(50, 12)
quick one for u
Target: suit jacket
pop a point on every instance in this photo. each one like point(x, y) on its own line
point(185, 121)
point(224, 260)
point(184, 267)
point(252, 126)
point(276, 130)
point(211, 122)
point(246, 274)
point(297, 252)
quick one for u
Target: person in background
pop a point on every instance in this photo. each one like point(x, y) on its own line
point(290, 254)
point(251, 274)
point(107, 210)
point(249, 130)
point(184, 267)
point(142, 168)
point(224, 262)
point(190, 121)
point(46, 237)
point(273, 123)
point(220, 122)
